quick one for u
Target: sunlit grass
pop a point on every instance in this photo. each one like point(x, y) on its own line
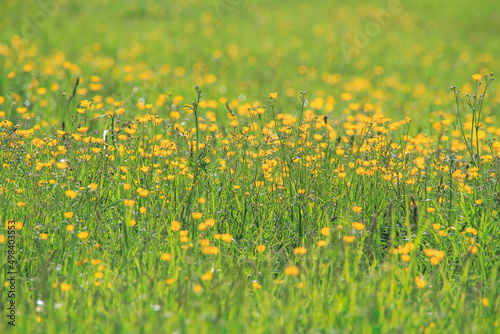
point(368, 204)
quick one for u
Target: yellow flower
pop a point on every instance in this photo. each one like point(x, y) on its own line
point(299, 251)
point(325, 231)
point(476, 77)
point(62, 165)
point(82, 130)
point(70, 228)
point(44, 236)
point(273, 96)
point(430, 252)
point(348, 238)
point(261, 248)
point(226, 237)
point(471, 230)
point(485, 302)
point(126, 186)
point(71, 194)
point(197, 215)
point(98, 275)
point(202, 226)
point(207, 276)
point(358, 226)
point(93, 186)
point(95, 262)
point(166, 257)
point(293, 271)
point(68, 215)
point(143, 192)
point(128, 202)
point(201, 200)
point(65, 287)
point(210, 222)
point(83, 235)
point(197, 288)
point(256, 285)
point(2, 238)
point(321, 243)
point(142, 210)
point(356, 209)
point(132, 222)
point(170, 281)
point(420, 282)
point(175, 226)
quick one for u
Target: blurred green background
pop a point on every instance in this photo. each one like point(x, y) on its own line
point(246, 49)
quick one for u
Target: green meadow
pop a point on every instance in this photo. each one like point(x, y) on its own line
point(232, 166)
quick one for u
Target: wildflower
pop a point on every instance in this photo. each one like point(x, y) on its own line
point(485, 302)
point(170, 281)
point(261, 248)
point(420, 282)
point(132, 222)
point(293, 271)
point(70, 228)
point(197, 288)
point(143, 192)
point(62, 165)
point(405, 258)
point(98, 275)
point(93, 186)
point(83, 235)
point(202, 226)
point(128, 202)
point(166, 257)
point(476, 77)
point(226, 237)
point(321, 243)
point(210, 222)
point(82, 129)
point(95, 262)
point(358, 226)
point(201, 200)
point(273, 96)
point(207, 276)
point(325, 231)
point(65, 287)
point(71, 194)
point(142, 210)
point(471, 230)
point(348, 238)
point(126, 186)
point(256, 285)
point(175, 226)
point(68, 215)
point(356, 209)
point(299, 251)
point(197, 215)
point(44, 236)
